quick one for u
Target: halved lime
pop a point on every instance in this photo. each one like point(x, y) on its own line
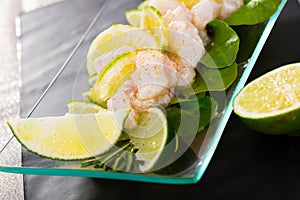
point(83, 107)
point(271, 103)
point(118, 36)
point(70, 137)
point(113, 76)
point(134, 17)
point(153, 140)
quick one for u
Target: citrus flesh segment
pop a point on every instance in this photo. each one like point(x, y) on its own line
point(83, 107)
point(118, 36)
point(70, 137)
point(151, 142)
point(113, 76)
point(271, 103)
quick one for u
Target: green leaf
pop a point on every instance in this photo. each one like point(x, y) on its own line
point(224, 46)
point(249, 36)
point(253, 12)
point(209, 79)
point(185, 113)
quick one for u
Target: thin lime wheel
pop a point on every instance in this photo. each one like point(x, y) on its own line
point(271, 103)
point(113, 76)
point(118, 36)
point(70, 137)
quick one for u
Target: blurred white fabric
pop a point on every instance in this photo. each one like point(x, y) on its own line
point(11, 185)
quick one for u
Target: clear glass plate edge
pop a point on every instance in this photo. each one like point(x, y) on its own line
point(144, 177)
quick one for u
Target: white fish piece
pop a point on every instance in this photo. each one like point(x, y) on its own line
point(162, 100)
point(204, 12)
point(229, 7)
point(155, 73)
point(121, 99)
point(186, 75)
point(164, 5)
point(180, 13)
point(185, 42)
point(106, 58)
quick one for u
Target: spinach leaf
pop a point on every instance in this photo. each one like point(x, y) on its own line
point(209, 79)
point(253, 12)
point(224, 46)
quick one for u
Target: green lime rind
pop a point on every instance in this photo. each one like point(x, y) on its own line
point(286, 123)
point(112, 77)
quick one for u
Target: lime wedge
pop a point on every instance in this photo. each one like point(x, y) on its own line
point(83, 107)
point(70, 137)
point(118, 36)
point(113, 76)
point(150, 138)
point(271, 103)
point(151, 19)
point(134, 17)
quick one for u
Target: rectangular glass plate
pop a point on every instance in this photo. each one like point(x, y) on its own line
point(71, 80)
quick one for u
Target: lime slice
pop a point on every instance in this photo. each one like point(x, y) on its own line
point(152, 141)
point(151, 19)
point(116, 37)
point(143, 4)
point(113, 76)
point(271, 103)
point(134, 17)
point(83, 107)
point(190, 3)
point(70, 137)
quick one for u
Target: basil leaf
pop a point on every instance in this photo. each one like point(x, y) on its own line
point(209, 79)
point(224, 46)
point(254, 12)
